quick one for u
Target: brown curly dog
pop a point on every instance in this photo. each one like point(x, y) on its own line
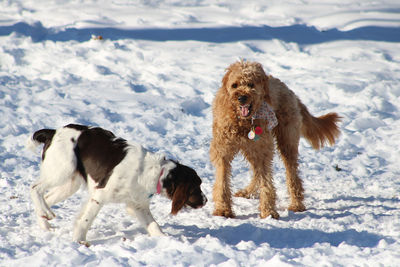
point(249, 111)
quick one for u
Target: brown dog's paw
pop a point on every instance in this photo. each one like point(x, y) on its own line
point(266, 213)
point(297, 207)
point(225, 213)
point(247, 194)
point(243, 193)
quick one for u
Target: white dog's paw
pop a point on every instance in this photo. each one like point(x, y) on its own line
point(85, 243)
point(47, 214)
point(154, 230)
point(44, 224)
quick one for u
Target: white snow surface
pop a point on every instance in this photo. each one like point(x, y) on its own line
point(152, 80)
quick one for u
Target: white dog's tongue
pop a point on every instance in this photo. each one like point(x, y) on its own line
point(244, 110)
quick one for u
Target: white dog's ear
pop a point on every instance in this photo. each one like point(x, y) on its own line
point(165, 162)
point(161, 158)
point(168, 164)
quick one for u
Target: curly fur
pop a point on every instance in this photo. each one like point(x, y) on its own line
point(245, 86)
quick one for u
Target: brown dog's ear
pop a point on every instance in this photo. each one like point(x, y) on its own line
point(265, 81)
point(179, 198)
point(226, 77)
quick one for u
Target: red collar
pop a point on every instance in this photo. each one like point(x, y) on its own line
point(158, 191)
point(159, 181)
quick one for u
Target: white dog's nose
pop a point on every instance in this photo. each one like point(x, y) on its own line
point(204, 198)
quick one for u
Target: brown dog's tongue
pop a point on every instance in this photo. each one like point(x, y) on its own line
point(244, 111)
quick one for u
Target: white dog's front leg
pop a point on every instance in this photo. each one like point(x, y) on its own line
point(85, 220)
point(145, 219)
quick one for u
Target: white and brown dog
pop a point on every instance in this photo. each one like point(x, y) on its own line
point(113, 170)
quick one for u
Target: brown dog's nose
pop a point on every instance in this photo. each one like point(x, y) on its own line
point(242, 99)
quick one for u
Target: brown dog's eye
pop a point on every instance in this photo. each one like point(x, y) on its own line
point(234, 85)
point(251, 85)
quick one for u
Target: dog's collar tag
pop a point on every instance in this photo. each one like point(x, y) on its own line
point(255, 133)
point(266, 113)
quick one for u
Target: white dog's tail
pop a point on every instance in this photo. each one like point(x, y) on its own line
point(43, 136)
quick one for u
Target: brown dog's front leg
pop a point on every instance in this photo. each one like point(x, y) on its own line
point(222, 195)
point(222, 191)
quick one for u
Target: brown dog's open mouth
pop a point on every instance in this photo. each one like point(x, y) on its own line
point(245, 110)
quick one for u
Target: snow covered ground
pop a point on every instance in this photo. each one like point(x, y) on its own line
point(152, 80)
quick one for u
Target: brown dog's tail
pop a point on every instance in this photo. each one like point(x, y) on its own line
point(319, 130)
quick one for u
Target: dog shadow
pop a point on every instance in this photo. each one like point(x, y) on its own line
point(113, 237)
point(275, 237)
point(279, 237)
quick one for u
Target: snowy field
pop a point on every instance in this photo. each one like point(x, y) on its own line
point(152, 80)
